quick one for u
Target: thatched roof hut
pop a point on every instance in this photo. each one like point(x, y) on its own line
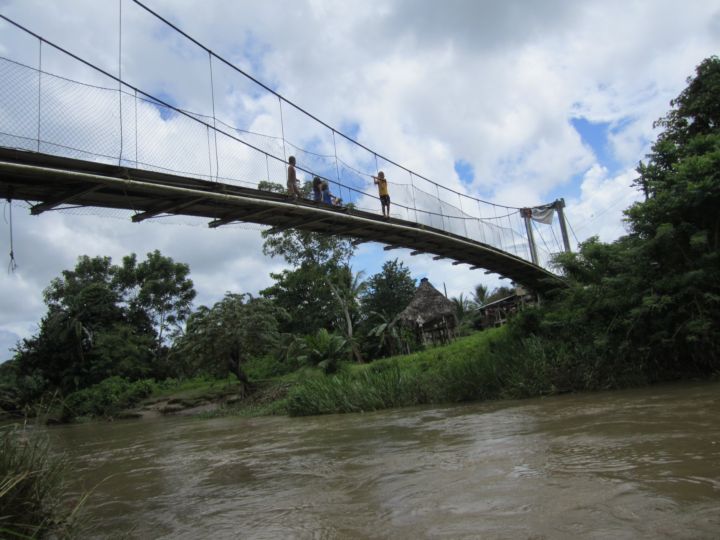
point(430, 314)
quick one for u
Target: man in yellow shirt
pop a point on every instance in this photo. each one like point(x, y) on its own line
point(381, 183)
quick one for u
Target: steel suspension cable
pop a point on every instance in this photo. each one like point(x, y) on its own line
point(337, 167)
point(282, 129)
point(212, 95)
point(120, 93)
point(39, 91)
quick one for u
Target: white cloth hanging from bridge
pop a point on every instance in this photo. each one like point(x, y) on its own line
point(543, 214)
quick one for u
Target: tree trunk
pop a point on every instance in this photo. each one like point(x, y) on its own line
point(235, 367)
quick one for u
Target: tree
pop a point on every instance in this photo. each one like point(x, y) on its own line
point(392, 338)
point(347, 295)
point(159, 289)
point(647, 306)
point(303, 247)
point(388, 292)
point(675, 232)
point(219, 340)
point(480, 295)
point(304, 294)
point(300, 248)
point(71, 349)
point(103, 320)
point(303, 291)
point(463, 307)
point(322, 349)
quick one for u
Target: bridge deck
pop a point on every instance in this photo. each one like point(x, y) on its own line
point(50, 181)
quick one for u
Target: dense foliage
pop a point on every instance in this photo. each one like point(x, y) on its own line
point(220, 340)
point(107, 398)
point(102, 320)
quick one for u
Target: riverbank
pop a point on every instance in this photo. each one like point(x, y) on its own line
point(487, 365)
point(459, 371)
point(477, 367)
point(494, 364)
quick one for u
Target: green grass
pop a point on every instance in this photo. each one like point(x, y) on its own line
point(115, 396)
point(494, 364)
point(461, 371)
point(196, 386)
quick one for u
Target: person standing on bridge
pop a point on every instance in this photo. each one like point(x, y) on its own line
point(381, 183)
point(292, 183)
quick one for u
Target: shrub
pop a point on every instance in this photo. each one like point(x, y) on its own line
point(269, 366)
point(457, 372)
point(106, 398)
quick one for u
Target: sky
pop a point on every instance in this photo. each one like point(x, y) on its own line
point(516, 102)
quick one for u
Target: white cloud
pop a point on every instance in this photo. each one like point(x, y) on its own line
point(598, 211)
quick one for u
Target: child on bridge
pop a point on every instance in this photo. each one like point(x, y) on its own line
point(317, 189)
point(327, 197)
point(381, 183)
point(292, 186)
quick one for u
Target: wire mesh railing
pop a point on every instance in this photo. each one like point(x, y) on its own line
point(243, 135)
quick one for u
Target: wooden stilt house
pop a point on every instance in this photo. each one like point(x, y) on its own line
point(430, 315)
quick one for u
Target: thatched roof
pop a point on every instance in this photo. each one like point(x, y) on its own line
point(427, 305)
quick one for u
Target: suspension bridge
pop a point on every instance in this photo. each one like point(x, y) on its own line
point(72, 135)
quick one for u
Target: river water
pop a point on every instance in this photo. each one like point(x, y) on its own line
point(628, 464)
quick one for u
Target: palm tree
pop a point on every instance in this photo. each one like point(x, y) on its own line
point(323, 350)
point(481, 294)
point(388, 334)
point(463, 307)
point(347, 298)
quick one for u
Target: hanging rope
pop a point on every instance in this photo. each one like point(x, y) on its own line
point(12, 265)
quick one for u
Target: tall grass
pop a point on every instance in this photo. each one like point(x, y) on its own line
point(494, 364)
point(31, 488)
point(461, 371)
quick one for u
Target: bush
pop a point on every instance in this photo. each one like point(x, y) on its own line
point(106, 398)
point(31, 488)
point(269, 366)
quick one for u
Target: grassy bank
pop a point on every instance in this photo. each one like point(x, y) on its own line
point(501, 363)
point(494, 364)
point(464, 370)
